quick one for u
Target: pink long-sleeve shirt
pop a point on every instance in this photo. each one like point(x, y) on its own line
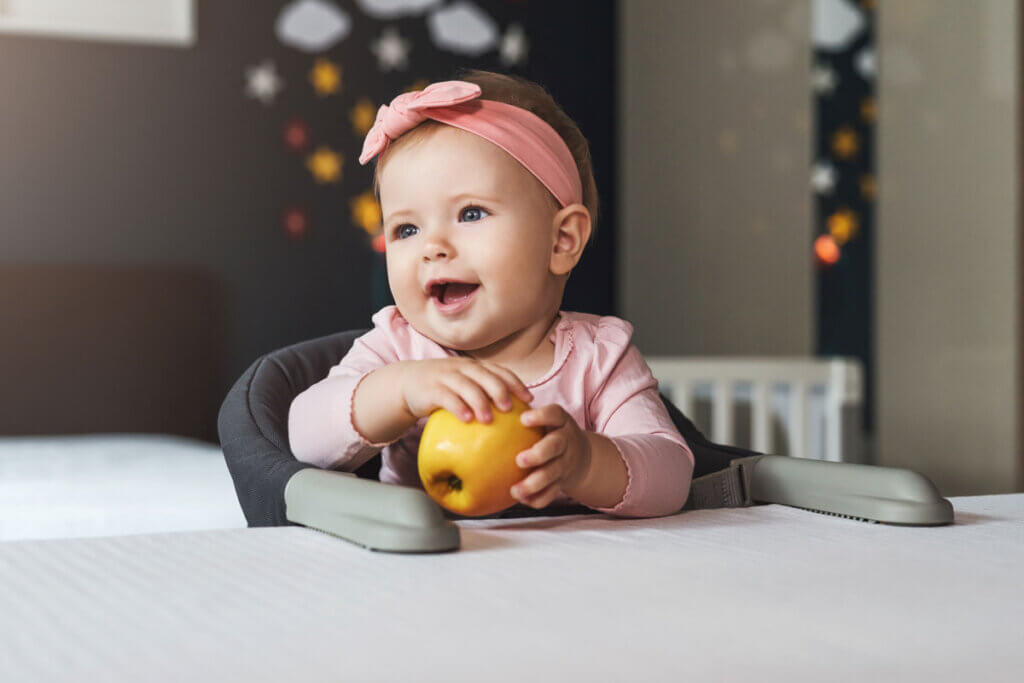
point(598, 377)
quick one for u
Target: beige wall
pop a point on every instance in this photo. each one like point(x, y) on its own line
point(716, 209)
point(714, 120)
point(946, 332)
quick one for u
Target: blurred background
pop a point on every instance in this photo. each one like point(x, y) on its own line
point(180, 194)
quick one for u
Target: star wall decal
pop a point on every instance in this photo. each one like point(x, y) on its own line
point(514, 46)
point(868, 187)
point(295, 222)
point(823, 80)
point(296, 134)
point(366, 212)
point(325, 165)
point(419, 84)
point(842, 225)
point(262, 82)
point(869, 110)
point(362, 116)
point(823, 177)
point(392, 50)
point(845, 143)
point(325, 77)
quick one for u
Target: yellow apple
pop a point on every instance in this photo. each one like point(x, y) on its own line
point(469, 467)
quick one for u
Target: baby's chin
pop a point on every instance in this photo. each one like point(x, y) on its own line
point(462, 344)
point(450, 336)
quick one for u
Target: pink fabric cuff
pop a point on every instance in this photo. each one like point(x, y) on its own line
point(349, 410)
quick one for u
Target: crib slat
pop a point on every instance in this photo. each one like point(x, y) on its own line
point(798, 420)
point(833, 425)
point(721, 413)
point(683, 398)
point(760, 427)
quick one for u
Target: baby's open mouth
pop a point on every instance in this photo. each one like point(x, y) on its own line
point(452, 292)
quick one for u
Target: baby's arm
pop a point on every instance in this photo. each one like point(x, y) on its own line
point(379, 412)
point(348, 417)
point(629, 414)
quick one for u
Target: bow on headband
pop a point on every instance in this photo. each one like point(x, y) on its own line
point(406, 112)
point(524, 135)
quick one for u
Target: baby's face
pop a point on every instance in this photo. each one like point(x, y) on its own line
point(457, 207)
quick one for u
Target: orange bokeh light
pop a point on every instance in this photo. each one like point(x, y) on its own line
point(826, 249)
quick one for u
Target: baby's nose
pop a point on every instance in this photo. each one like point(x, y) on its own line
point(436, 251)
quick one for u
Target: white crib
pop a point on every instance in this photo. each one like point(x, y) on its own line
point(802, 407)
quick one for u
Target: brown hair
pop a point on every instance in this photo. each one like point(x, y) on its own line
point(534, 98)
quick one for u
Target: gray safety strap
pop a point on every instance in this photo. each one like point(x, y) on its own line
point(728, 488)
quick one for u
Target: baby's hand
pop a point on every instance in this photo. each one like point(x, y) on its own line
point(460, 385)
point(561, 457)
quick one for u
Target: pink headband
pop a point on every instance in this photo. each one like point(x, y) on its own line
point(524, 135)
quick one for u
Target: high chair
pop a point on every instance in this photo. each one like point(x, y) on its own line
point(275, 489)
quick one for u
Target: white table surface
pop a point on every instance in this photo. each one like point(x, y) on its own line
point(768, 593)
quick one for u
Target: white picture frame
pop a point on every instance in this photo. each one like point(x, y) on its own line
point(164, 22)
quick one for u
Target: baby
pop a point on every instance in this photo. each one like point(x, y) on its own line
point(488, 200)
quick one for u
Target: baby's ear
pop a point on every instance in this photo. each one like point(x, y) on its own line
point(571, 230)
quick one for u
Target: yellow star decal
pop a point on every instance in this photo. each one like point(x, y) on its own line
point(362, 116)
point(418, 85)
point(325, 77)
point(845, 143)
point(325, 165)
point(842, 225)
point(868, 186)
point(366, 212)
point(868, 109)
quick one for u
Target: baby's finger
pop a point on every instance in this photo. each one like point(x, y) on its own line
point(470, 392)
point(550, 446)
point(538, 480)
point(450, 401)
point(552, 415)
point(511, 381)
point(492, 383)
point(543, 498)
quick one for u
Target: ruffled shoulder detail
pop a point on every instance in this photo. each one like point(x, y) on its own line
point(564, 340)
point(606, 331)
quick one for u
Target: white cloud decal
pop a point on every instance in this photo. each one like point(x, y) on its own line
point(389, 9)
point(312, 25)
point(463, 28)
point(835, 23)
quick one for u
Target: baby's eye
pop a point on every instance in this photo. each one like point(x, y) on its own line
point(401, 231)
point(472, 213)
